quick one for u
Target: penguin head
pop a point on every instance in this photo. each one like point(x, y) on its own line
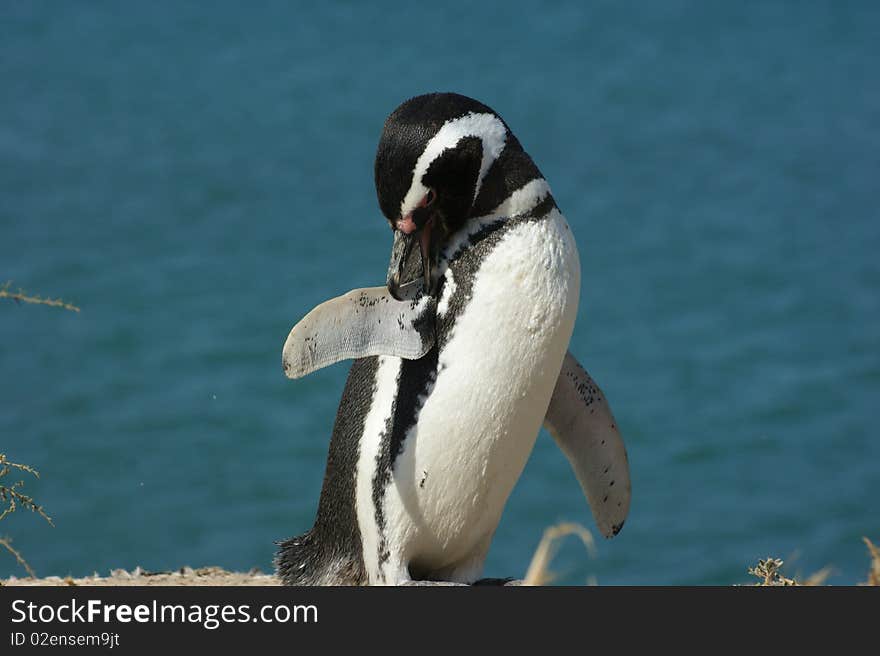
point(432, 159)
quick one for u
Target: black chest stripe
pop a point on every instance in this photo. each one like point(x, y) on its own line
point(413, 382)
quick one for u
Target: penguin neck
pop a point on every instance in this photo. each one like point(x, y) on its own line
point(522, 201)
point(529, 199)
point(508, 173)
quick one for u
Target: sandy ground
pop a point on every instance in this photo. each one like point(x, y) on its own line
point(138, 576)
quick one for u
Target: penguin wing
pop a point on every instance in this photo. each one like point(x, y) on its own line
point(358, 324)
point(580, 420)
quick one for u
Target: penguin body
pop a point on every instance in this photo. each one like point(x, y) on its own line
point(464, 419)
point(429, 441)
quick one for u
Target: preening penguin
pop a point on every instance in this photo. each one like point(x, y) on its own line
point(459, 360)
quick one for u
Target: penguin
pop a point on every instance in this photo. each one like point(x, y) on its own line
point(459, 359)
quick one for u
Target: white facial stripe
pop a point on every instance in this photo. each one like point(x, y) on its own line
point(487, 127)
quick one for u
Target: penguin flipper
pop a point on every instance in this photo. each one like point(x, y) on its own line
point(580, 420)
point(359, 324)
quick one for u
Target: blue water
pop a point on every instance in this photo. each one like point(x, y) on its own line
point(198, 177)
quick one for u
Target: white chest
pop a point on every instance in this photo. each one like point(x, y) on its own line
point(479, 420)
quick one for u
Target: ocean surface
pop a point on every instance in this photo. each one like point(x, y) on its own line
point(197, 177)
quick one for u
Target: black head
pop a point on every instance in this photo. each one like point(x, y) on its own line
point(432, 159)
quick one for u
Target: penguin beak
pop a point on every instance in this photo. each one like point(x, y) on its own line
point(411, 269)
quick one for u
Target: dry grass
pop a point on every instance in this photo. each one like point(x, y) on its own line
point(769, 571)
point(6, 543)
point(539, 569)
point(874, 572)
point(23, 297)
point(13, 498)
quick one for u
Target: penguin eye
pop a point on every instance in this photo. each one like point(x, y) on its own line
point(429, 197)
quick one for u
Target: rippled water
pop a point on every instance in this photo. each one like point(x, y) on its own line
point(197, 179)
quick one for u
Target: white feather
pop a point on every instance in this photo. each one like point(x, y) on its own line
point(371, 440)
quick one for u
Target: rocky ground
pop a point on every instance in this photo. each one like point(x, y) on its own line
point(183, 576)
point(768, 571)
point(138, 576)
